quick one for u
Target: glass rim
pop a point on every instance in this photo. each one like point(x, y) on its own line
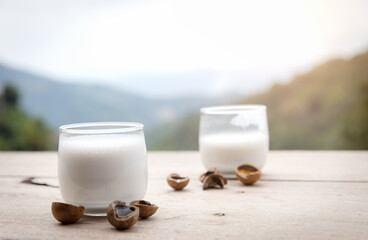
point(231, 109)
point(112, 127)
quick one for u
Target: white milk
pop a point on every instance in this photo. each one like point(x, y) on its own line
point(95, 170)
point(227, 151)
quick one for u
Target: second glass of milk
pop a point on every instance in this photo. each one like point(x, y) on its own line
point(102, 162)
point(233, 135)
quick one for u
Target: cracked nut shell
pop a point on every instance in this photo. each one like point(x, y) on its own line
point(66, 213)
point(214, 180)
point(146, 209)
point(209, 172)
point(177, 182)
point(122, 216)
point(248, 174)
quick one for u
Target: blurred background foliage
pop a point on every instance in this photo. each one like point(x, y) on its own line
point(19, 131)
point(326, 108)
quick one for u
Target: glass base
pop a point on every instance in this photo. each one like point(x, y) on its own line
point(95, 212)
point(230, 176)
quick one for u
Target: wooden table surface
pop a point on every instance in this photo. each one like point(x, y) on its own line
point(302, 195)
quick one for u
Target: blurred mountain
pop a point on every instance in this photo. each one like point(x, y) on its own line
point(61, 103)
point(326, 108)
point(201, 82)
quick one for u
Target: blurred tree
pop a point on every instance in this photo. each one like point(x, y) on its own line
point(9, 95)
point(18, 131)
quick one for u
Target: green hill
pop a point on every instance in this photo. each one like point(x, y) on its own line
point(326, 108)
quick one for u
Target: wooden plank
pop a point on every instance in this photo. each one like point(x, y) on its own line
point(270, 210)
point(281, 165)
point(334, 208)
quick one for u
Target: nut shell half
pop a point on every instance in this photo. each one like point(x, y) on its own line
point(177, 182)
point(146, 209)
point(66, 213)
point(214, 180)
point(122, 216)
point(209, 172)
point(248, 174)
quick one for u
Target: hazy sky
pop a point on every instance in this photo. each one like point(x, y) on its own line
point(155, 46)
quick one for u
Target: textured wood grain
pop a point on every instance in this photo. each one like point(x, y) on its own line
point(302, 195)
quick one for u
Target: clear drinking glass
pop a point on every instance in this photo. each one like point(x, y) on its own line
point(233, 135)
point(102, 162)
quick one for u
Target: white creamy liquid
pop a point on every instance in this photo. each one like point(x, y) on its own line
point(95, 170)
point(227, 151)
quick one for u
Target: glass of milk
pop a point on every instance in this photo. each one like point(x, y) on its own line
point(233, 135)
point(102, 162)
